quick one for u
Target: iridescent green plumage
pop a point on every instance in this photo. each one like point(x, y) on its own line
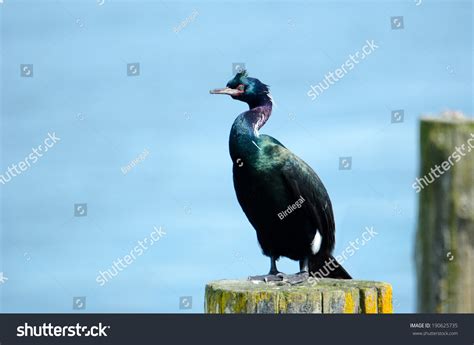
point(269, 179)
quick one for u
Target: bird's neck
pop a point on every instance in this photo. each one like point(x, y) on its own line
point(244, 133)
point(261, 100)
point(249, 122)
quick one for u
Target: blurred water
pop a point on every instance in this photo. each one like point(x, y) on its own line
point(105, 119)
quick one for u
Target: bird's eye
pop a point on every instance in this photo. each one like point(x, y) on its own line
point(241, 87)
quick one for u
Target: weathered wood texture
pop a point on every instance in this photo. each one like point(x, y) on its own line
point(329, 296)
point(445, 236)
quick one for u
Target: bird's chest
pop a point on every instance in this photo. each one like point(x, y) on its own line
point(249, 184)
point(258, 189)
point(257, 177)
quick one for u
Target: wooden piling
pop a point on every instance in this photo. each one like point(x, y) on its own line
point(328, 296)
point(445, 235)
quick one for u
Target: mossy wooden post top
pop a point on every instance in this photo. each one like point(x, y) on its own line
point(328, 296)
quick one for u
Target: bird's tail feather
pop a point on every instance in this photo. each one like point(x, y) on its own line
point(326, 266)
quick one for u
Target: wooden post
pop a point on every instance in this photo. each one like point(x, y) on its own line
point(445, 236)
point(327, 296)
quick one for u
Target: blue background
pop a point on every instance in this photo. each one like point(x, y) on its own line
point(80, 90)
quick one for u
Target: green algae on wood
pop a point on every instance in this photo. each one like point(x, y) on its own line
point(328, 296)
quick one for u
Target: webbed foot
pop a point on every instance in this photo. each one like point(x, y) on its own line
point(268, 277)
point(294, 279)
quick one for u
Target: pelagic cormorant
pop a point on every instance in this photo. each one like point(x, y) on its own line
point(281, 195)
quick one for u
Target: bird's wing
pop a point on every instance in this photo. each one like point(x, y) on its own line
point(302, 181)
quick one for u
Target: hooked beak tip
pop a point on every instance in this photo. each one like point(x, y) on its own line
point(218, 91)
point(226, 91)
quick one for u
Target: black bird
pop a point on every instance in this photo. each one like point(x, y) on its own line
point(281, 195)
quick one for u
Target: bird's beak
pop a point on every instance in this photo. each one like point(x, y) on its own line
point(226, 91)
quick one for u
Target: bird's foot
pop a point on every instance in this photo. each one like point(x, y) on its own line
point(277, 277)
point(294, 279)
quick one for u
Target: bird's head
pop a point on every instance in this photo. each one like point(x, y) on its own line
point(246, 89)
